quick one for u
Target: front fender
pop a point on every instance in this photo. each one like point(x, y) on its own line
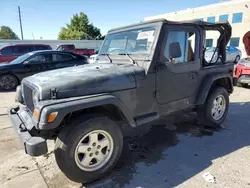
point(66, 106)
point(208, 83)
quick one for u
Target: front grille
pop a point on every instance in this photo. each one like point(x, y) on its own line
point(28, 97)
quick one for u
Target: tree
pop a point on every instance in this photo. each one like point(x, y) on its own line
point(102, 37)
point(7, 33)
point(79, 29)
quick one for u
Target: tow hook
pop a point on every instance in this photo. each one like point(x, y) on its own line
point(14, 110)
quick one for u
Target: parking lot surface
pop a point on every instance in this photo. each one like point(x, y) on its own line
point(175, 152)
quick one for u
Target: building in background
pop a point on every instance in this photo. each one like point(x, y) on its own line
point(236, 12)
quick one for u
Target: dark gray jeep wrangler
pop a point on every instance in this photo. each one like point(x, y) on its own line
point(144, 71)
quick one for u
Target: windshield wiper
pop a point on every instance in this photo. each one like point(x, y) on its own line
point(130, 58)
point(110, 60)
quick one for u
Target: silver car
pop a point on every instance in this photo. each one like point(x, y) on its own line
point(233, 54)
point(93, 58)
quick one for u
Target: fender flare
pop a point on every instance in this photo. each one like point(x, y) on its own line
point(64, 107)
point(207, 84)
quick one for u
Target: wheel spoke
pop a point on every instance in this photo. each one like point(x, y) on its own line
point(100, 157)
point(93, 137)
point(219, 100)
point(220, 107)
point(103, 142)
point(82, 148)
point(215, 102)
point(86, 160)
point(216, 114)
point(213, 110)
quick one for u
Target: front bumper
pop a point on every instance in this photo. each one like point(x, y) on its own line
point(244, 79)
point(22, 124)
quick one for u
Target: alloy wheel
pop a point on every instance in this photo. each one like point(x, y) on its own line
point(94, 150)
point(218, 108)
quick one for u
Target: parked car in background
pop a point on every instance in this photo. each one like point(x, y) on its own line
point(31, 63)
point(11, 52)
point(242, 73)
point(233, 54)
point(93, 58)
point(72, 48)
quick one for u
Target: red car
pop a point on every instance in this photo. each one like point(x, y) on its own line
point(242, 69)
point(72, 48)
point(10, 52)
point(242, 72)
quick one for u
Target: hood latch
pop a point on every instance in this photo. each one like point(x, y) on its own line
point(53, 93)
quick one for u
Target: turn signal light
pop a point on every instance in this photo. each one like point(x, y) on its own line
point(52, 117)
point(36, 113)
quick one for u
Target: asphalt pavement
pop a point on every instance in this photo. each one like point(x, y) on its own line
point(175, 152)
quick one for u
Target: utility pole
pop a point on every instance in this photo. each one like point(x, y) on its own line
point(20, 20)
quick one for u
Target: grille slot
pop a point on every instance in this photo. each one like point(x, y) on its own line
point(28, 98)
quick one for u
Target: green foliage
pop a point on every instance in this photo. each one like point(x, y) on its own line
point(79, 29)
point(7, 33)
point(102, 37)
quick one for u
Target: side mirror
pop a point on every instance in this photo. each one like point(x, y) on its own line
point(174, 50)
point(0, 54)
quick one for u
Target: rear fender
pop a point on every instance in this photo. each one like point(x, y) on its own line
point(64, 107)
point(220, 79)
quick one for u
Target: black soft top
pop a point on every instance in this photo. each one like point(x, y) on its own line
point(206, 25)
point(224, 28)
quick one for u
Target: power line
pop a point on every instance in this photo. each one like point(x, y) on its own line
point(20, 20)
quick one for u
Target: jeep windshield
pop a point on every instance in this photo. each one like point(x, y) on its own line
point(131, 42)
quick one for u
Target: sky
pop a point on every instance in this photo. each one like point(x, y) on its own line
point(44, 18)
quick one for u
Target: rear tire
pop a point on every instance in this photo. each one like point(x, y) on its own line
point(80, 151)
point(214, 111)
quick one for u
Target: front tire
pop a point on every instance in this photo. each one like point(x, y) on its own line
point(214, 111)
point(88, 148)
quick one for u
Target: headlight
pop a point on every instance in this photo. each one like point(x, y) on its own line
point(35, 96)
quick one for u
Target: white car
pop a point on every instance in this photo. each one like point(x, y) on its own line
point(233, 54)
point(93, 58)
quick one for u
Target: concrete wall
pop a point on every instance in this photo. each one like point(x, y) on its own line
point(229, 7)
point(53, 43)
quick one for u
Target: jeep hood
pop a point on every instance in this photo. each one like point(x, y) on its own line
point(85, 80)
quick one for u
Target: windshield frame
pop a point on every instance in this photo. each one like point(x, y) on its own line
point(149, 55)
